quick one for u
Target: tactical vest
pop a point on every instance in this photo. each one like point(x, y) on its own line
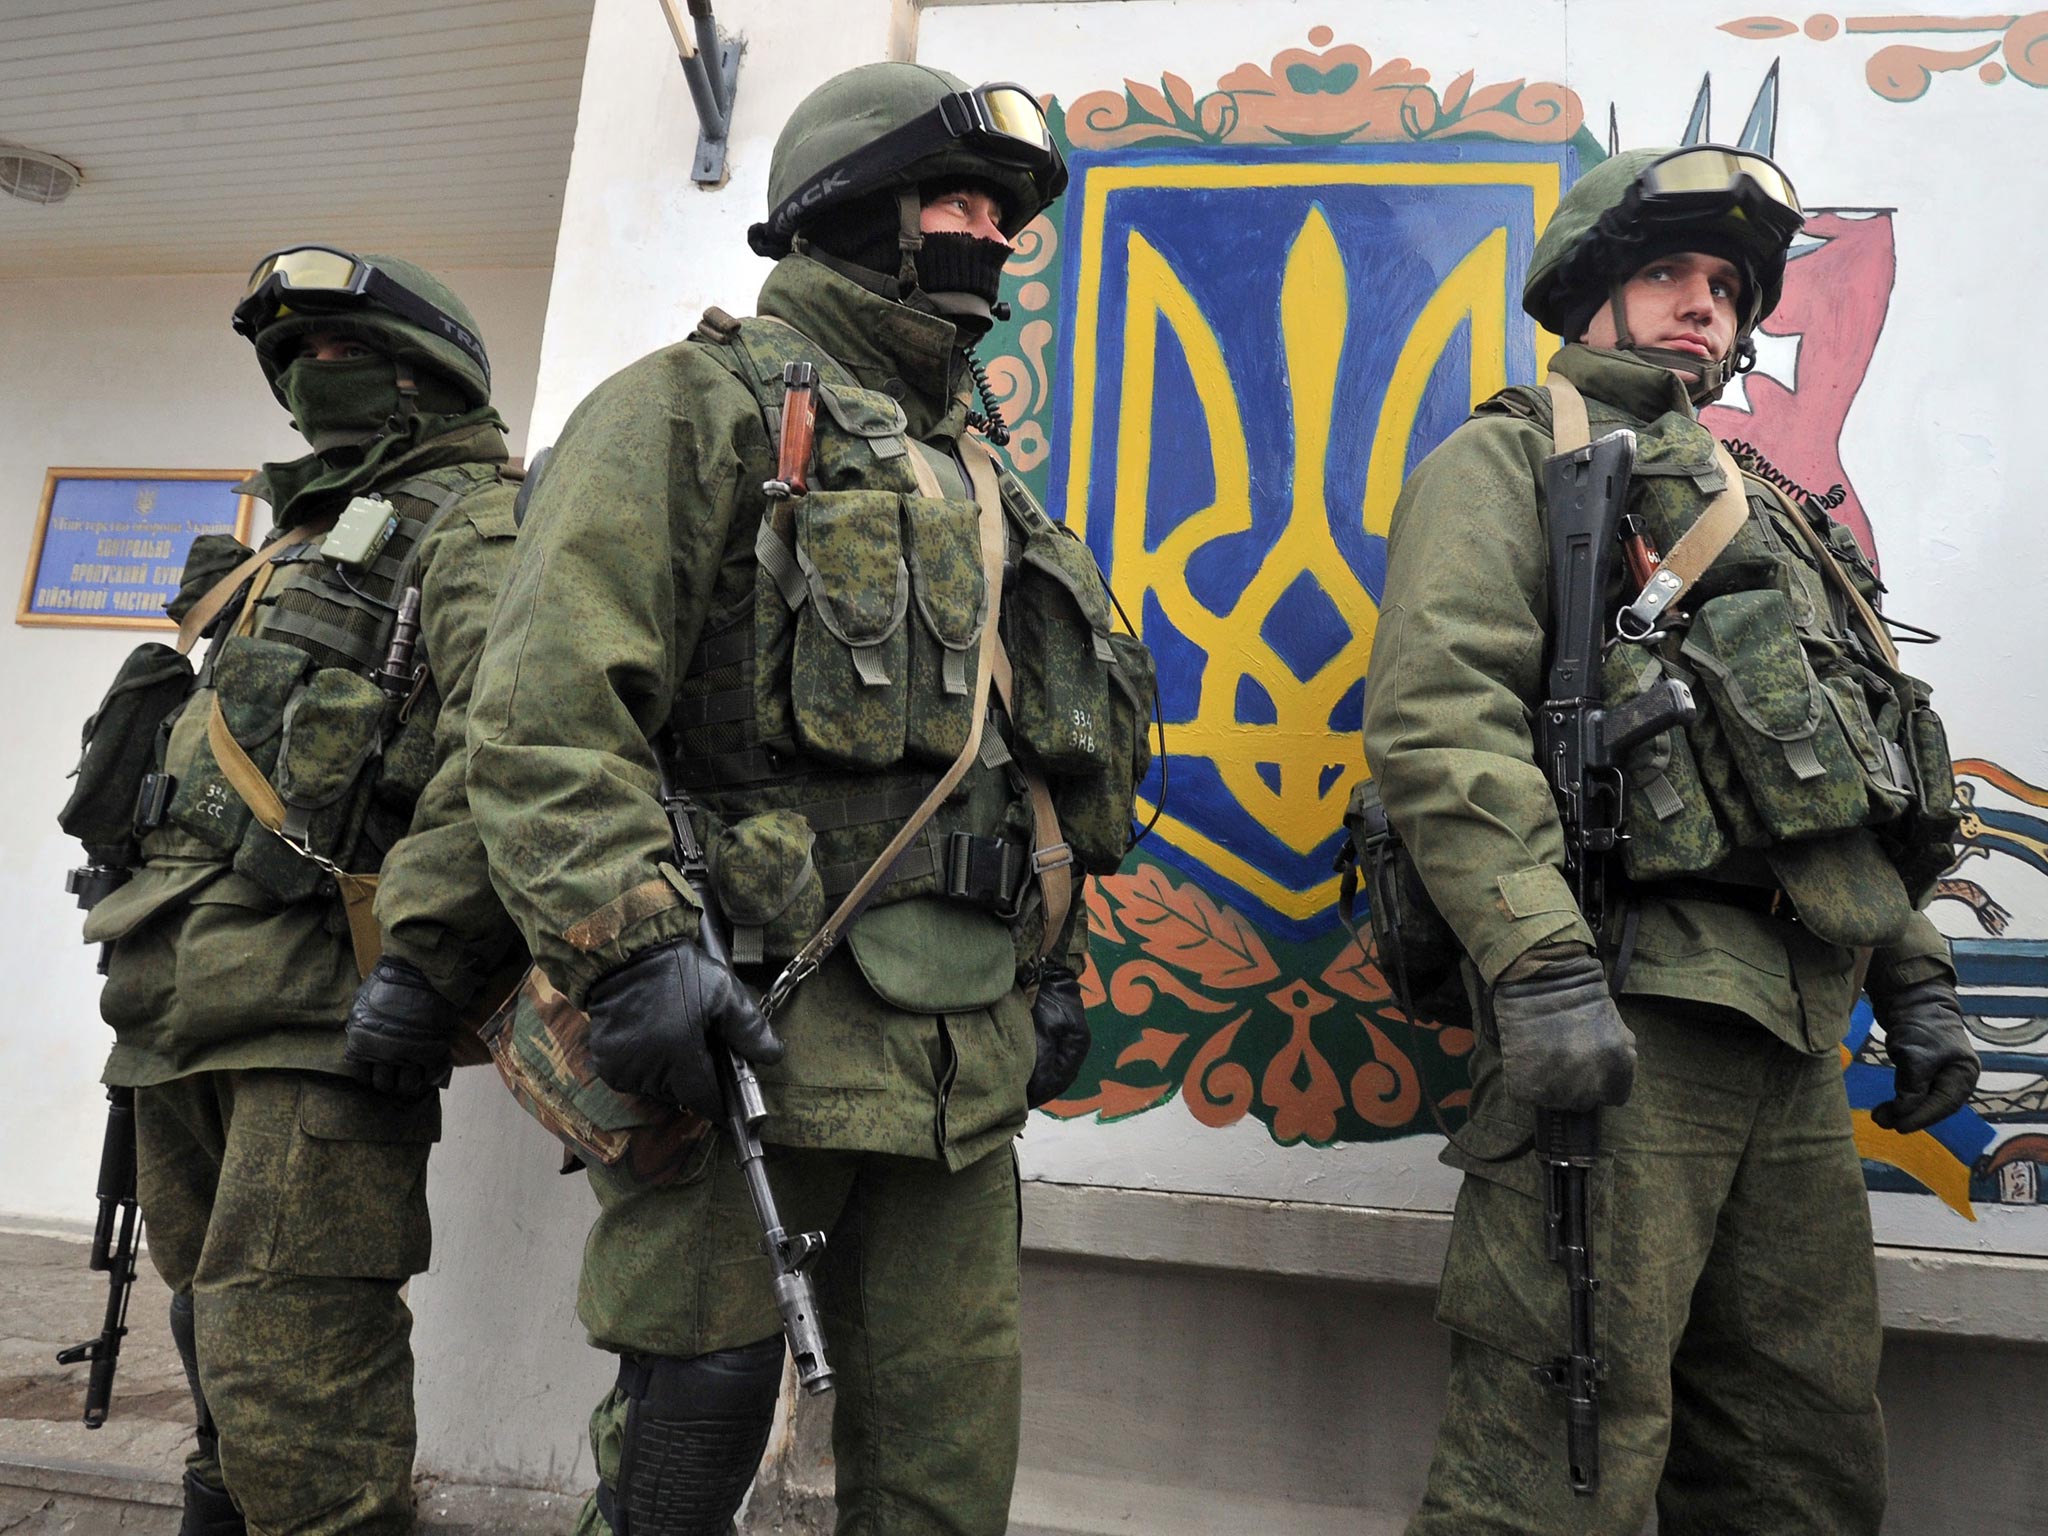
point(1813, 760)
point(813, 718)
point(294, 682)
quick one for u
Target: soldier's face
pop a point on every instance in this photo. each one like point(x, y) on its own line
point(967, 211)
point(327, 347)
point(1684, 302)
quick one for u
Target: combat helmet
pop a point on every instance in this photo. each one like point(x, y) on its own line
point(1637, 205)
point(889, 128)
point(389, 303)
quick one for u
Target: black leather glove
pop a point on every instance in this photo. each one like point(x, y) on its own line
point(1059, 1020)
point(400, 1031)
point(1562, 1042)
point(656, 1019)
point(1934, 1066)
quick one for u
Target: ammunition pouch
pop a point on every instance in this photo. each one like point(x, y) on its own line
point(843, 686)
point(1669, 822)
point(1082, 694)
point(767, 883)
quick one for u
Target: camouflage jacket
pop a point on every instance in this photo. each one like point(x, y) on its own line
point(1456, 677)
point(641, 532)
point(208, 970)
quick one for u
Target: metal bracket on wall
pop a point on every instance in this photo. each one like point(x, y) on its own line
point(712, 66)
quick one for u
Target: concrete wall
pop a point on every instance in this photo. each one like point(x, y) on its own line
point(138, 372)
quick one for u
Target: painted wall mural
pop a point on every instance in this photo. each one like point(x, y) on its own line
point(1259, 304)
point(1903, 71)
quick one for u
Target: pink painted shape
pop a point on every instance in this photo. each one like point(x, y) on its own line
point(1836, 298)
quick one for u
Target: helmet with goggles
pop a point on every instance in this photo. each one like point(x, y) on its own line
point(886, 127)
point(1645, 203)
point(388, 303)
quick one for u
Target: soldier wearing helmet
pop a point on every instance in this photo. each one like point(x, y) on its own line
point(284, 1038)
point(1765, 863)
point(776, 569)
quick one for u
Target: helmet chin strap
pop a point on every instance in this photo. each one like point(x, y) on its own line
point(1704, 378)
point(909, 235)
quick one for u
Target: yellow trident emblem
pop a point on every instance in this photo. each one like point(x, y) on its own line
point(1293, 775)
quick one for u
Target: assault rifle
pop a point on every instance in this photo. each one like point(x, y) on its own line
point(1581, 747)
point(116, 1235)
point(117, 1230)
point(789, 1253)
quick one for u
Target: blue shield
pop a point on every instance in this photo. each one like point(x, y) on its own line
point(1257, 345)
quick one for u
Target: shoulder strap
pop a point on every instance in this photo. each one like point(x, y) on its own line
point(358, 892)
point(1569, 428)
point(1697, 548)
point(203, 612)
point(826, 939)
point(1831, 568)
point(1052, 860)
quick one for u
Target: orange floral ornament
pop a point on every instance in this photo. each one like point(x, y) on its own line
point(1324, 95)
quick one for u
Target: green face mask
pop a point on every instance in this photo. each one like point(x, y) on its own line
point(339, 404)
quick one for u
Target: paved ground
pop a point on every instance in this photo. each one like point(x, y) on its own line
point(58, 1478)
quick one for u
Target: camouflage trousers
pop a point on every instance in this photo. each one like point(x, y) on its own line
point(917, 1291)
point(1737, 1311)
point(292, 1206)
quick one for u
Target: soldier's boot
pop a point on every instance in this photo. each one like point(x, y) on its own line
point(208, 1509)
point(694, 1433)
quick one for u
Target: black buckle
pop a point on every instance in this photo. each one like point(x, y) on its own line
point(988, 871)
point(153, 800)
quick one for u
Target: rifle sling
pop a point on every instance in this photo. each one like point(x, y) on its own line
point(202, 612)
point(1699, 546)
point(826, 939)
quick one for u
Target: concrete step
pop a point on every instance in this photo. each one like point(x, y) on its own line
point(57, 1476)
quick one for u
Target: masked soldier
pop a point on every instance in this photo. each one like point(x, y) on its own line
point(805, 669)
point(1775, 847)
point(282, 1156)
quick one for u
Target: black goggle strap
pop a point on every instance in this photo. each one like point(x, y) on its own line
point(957, 119)
point(366, 285)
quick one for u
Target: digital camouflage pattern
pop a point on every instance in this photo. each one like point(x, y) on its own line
point(616, 626)
point(183, 992)
point(1737, 1301)
point(1800, 740)
point(798, 710)
point(918, 1291)
point(1733, 1320)
point(292, 1206)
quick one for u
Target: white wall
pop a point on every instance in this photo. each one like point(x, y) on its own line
point(136, 372)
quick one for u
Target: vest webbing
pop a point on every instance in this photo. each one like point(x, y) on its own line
point(358, 892)
point(766, 767)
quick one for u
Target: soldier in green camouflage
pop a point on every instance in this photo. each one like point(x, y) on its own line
point(282, 1138)
point(1737, 1306)
point(805, 667)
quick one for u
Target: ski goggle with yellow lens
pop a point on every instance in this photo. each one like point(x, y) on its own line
point(1000, 122)
point(1710, 179)
point(320, 280)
